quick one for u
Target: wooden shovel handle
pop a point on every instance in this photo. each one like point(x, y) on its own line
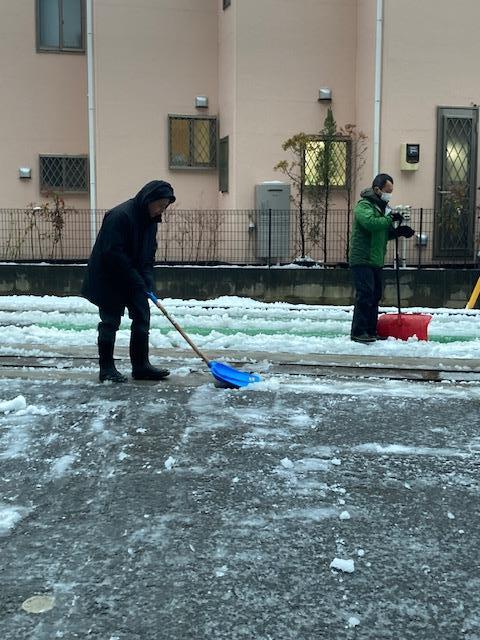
point(158, 304)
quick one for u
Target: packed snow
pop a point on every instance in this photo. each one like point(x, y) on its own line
point(233, 323)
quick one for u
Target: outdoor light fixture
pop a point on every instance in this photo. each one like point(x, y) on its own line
point(324, 93)
point(201, 102)
point(24, 173)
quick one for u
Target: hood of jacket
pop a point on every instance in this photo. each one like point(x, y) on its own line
point(154, 190)
point(370, 195)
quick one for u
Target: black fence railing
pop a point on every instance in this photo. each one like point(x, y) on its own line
point(240, 237)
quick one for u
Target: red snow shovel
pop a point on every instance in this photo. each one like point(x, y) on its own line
point(224, 374)
point(402, 326)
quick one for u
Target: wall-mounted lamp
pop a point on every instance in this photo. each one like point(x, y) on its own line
point(24, 173)
point(201, 102)
point(324, 93)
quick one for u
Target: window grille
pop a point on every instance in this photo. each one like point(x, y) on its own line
point(192, 142)
point(60, 25)
point(64, 174)
point(327, 160)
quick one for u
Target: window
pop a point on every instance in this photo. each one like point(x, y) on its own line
point(64, 174)
point(223, 165)
point(327, 160)
point(60, 25)
point(192, 142)
point(226, 4)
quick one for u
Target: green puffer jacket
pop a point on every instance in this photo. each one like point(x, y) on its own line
point(371, 231)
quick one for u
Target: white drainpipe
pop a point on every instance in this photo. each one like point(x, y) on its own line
point(378, 88)
point(91, 123)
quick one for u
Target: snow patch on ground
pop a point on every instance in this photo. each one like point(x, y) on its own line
point(10, 515)
point(400, 449)
point(347, 566)
point(62, 465)
point(10, 406)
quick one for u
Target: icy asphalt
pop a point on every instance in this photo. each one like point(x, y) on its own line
point(178, 511)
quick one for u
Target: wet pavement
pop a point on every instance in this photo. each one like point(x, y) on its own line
point(178, 510)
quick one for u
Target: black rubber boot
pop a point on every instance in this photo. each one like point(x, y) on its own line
point(141, 367)
point(108, 371)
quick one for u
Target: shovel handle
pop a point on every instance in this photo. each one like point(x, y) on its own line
point(397, 270)
point(158, 304)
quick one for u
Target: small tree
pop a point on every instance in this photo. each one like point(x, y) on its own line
point(295, 170)
point(42, 229)
point(323, 164)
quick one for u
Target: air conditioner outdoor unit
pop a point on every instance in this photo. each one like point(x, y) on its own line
point(272, 204)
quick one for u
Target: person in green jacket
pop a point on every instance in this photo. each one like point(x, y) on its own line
point(374, 224)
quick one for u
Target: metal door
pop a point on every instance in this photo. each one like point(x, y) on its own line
point(455, 183)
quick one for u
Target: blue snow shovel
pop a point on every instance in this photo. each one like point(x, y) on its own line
point(227, 376)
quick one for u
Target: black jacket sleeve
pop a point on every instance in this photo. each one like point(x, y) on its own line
point(146, 270)
point(117, 236)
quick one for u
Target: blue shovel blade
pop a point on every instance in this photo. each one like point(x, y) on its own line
point(232, 377)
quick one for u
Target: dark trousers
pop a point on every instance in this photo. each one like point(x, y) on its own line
point(368, 283)
point(138, 311)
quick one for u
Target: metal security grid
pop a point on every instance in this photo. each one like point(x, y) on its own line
point(192, 142)
point(222, 237)
point(327, 161)
point(66, 174)
point(454, 219)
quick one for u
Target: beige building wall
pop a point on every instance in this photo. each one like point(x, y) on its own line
point(151, 59)
point(261, 64)
point(227, 93)
point(42, 106)
point(365, 83)
point(431, 54)
point(285, 52)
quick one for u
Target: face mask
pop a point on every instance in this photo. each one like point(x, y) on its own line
point(386, 197)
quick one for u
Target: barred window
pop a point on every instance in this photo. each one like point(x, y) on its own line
point(327, 160)
point(60, 25)
point(192, 142)
point(64, 174)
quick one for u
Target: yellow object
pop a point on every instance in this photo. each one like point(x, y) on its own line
point(474, 297)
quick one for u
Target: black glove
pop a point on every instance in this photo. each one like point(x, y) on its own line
point(405, 232)
point(396, 216)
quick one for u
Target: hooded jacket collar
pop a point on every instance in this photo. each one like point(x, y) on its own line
point(154, 190)
point(370, 195)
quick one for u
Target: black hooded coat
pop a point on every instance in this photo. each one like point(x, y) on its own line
point(121, 262)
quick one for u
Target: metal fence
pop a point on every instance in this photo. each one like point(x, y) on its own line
point(239, 237)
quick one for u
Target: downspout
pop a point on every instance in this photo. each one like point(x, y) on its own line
point(91, 123)
point(378, 87)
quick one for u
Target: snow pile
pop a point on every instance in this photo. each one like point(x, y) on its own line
point(9, 516)
point(169, 462)
point(10, 406)
point(287, 463)
point(231, 322)
point(61, 465)
point(347, 566)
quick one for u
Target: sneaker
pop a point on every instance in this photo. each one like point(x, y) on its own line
point(364, 338)
point(377, 337)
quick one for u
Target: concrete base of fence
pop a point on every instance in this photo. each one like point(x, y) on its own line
point(425, 287)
